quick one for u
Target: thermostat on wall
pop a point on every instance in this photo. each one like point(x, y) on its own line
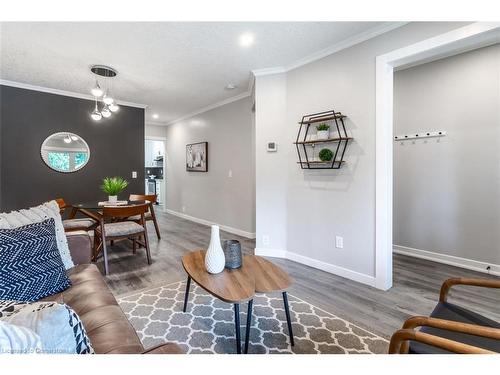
point(272, 146)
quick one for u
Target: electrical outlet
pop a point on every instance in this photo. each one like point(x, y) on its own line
point(339, 242)
point(183, 208)
point(265, 240)
point(230, 173)
point(134, 174)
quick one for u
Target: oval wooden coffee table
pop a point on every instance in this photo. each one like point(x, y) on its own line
point(268, 278)
point(233, 286)
point(256, 275)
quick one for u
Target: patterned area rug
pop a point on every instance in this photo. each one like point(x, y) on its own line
point(208, 324)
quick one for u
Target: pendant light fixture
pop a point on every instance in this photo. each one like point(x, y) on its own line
point(97, 91)
point(96, 115)
point(109, 105)
point(105, 112)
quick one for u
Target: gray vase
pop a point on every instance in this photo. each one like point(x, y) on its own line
point(232, 253)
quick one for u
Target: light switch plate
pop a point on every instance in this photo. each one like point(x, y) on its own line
point(134, 174)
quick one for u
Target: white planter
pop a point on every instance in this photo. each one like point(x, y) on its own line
point(323, 134)
point(112, 198)
point(214, 258)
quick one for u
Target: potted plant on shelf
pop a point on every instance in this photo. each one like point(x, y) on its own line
point(326, 154)
point(323, 131)
point(113, 186)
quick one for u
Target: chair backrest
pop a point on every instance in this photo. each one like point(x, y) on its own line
point(62, 204)
point(143, 197)
point(125, 211)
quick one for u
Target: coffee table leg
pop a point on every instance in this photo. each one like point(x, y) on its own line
point(237, 327)
point(186, 295)
point(288, 321)
point(249, 323)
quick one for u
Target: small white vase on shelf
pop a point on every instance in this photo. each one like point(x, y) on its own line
point(214, 258)
point(112, 198)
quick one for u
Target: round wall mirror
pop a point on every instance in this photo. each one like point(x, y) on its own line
point(65, 152)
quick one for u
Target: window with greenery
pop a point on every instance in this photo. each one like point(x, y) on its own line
point(59, 160)
point(80, 159)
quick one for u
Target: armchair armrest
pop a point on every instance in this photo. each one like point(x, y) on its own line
point(167, 348)
point(403, 335)
point(80, 246)
point(445, 288)
point(449, 325)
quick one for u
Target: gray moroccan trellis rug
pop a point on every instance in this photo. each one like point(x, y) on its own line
point(208, 324)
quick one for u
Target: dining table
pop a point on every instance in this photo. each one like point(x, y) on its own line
point(93, 210)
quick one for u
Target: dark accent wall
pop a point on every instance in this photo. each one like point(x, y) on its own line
point(27, 117)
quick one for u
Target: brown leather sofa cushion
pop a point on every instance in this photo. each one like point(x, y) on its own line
point(107, 326)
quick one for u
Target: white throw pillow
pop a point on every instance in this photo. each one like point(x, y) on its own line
point(16, 219)
point(15, 339)
point(59, 328)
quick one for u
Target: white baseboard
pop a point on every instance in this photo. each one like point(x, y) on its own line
point(226, 228)
point(328, 267)
point(469, 264)
point(274, 253)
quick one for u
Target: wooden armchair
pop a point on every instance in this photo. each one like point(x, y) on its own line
point(89, 222)
point(450, 328)
point(150, 215)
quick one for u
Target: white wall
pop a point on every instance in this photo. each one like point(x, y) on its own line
point(155, 131)
point(214, 196)
point(322, 204)
point(271, 173)
point(447, 190)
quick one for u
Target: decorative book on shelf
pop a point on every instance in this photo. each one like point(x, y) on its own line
point(322, 149)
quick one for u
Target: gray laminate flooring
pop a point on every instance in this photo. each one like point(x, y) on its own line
point(415, 290)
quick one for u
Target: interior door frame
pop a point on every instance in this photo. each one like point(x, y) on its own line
point(467, 38)
point(164, 190)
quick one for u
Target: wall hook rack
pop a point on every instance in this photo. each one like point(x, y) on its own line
point(434, 134)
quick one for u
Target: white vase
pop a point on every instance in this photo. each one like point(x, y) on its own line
point(112, 198)
point(323, 134)
point(214, 258)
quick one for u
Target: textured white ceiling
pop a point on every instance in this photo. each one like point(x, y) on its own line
point(174, 68)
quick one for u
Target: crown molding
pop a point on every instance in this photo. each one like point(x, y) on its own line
point(346, 43)
point(268, 71)
point(232, 99)
point(63, 92)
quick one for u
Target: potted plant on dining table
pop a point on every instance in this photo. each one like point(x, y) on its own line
point(113, 186)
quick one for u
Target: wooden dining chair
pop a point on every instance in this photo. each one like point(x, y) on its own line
point(118, 230)
point(150, 215)
point(89, 222)
point(450, 328)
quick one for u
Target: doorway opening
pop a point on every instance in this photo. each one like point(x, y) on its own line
point(470, 37)
point(155, 171)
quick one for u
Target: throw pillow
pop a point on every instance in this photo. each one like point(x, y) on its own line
point(15, 339)
point(59, 328)
point(30, 264)
point(16, 219)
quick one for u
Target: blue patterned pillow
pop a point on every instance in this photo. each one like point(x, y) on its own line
point(30, 264)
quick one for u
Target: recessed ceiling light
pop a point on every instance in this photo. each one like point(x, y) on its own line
point(230, 86)
point(155, 115)
point(247, 39)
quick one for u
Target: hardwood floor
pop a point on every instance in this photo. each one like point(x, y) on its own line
point(415, 290)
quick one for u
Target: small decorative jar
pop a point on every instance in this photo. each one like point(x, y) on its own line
point(232, 253)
